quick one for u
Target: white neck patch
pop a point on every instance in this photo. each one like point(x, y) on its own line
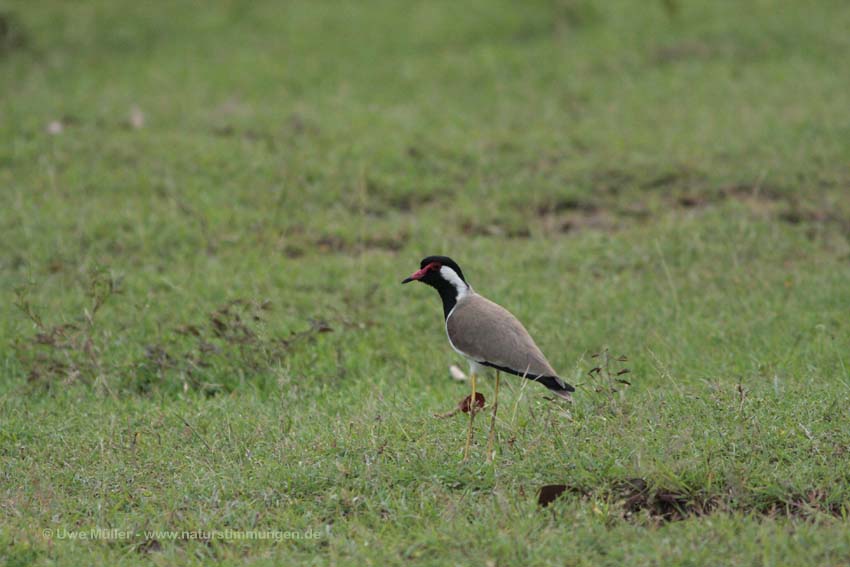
point(451, 276)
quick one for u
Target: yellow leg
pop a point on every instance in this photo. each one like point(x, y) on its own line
point(492, 436)
point(472, 411)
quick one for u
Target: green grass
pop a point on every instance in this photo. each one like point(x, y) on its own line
point(202, 328)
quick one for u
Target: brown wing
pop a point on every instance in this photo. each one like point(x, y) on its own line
point(489, 333)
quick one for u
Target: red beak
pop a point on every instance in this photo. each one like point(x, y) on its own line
point(416, 275)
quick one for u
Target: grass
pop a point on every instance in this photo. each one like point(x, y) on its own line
point(207, 213)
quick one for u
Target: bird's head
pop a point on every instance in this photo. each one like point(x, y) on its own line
point(434, 270)
point(443, 274)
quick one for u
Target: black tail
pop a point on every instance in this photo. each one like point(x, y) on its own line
point(555, 385)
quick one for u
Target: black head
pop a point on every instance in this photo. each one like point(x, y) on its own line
point(429, 270)
point(443, 274)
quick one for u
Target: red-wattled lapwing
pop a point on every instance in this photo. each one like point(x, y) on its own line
point(487, 335)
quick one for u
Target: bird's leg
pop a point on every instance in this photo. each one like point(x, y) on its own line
point(492, 435)
point(472, 408)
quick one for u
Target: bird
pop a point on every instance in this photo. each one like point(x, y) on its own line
point(487, 335)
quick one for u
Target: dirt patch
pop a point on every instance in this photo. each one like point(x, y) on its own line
point(800, 214)
point(333, 244)
point(661, 504)
point(293, 251)
point(806, 506)
point(554, 216)
point(757, 197)
point(671, 192)
point(681, 178)
point(409, 202)
point(691, 201)
point(705, 49)
point(12, 34)
point(754, 191)
point(294, 127)
point(785, 206)
point(675, 192)
point(149, 546)
point(684, 51)
point(295, 248)
point(761, 200)
point(381, 199)
point(636, 497)
point(612, 181)
point(551, 492)
point(247, 134)
point(687, 193)
point(566, 204)
point(497, 228)
point(571, 220)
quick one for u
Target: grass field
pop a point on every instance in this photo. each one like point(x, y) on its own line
point(207, 211)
